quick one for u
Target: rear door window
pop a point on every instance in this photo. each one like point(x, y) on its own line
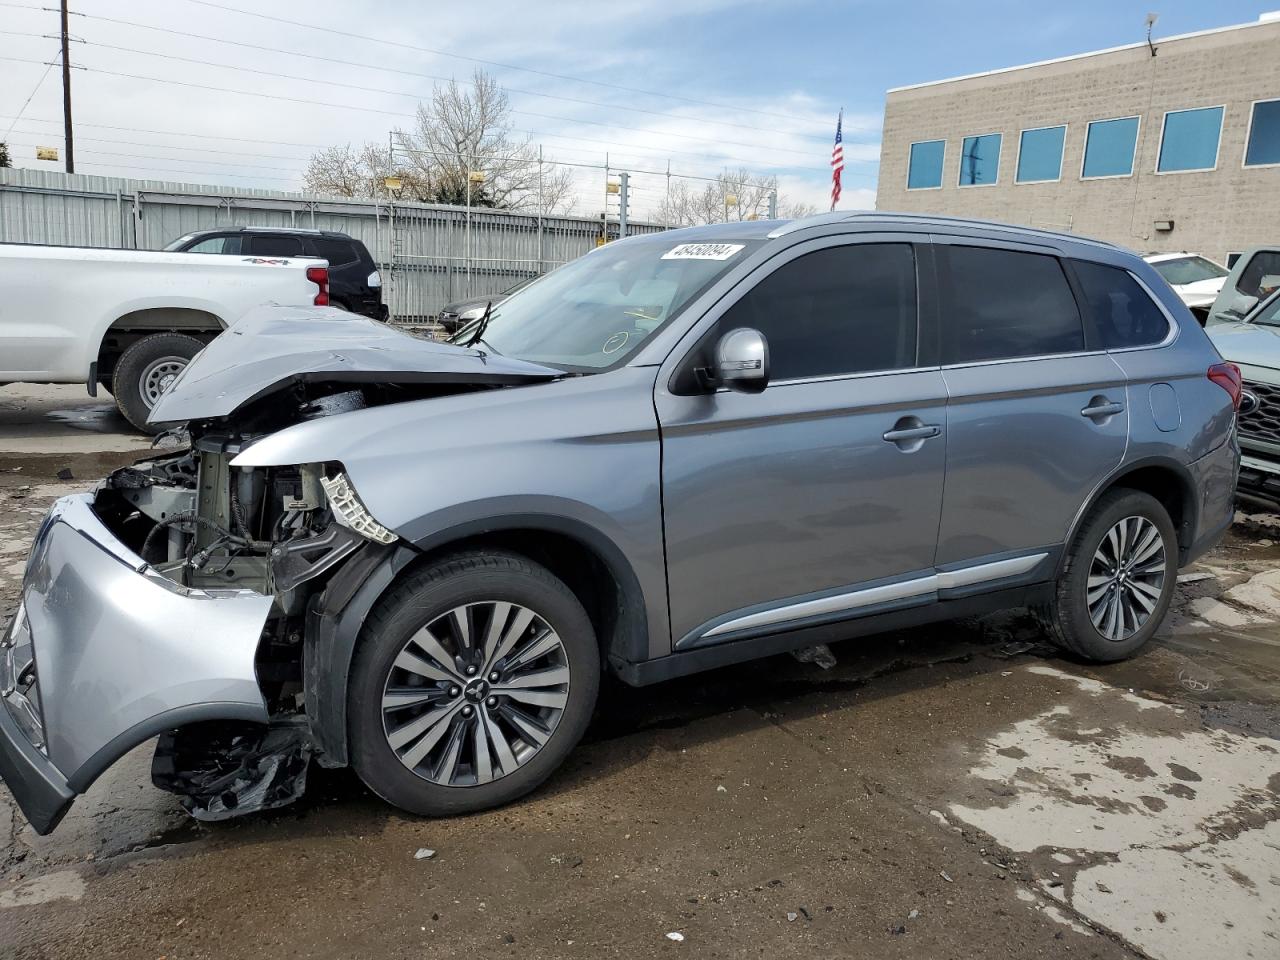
point(1123, 312)
point(1002, 304)
point(268, 245)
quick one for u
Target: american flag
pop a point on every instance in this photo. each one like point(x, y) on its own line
point(837, 161)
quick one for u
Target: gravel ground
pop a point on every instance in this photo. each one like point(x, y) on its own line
point(958, 790)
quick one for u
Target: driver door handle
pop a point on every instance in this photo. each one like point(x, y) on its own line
point(923, 432)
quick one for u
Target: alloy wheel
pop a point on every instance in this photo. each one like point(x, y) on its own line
point(1126, 578)
point(475, 693)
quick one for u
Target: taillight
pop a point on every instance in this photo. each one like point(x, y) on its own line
point(320, 277)
point(1227, 376)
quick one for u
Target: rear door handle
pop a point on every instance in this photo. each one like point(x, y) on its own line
point(922, 432)
point(1100, 410)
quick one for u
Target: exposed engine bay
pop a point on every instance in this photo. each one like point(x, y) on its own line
point(279, 532)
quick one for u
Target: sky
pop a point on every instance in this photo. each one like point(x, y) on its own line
point(190, 90)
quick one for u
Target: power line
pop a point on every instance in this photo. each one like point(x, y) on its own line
point(26, 103)
point(413, 96)
point(367, 109)
point(214, 163)
point(425, 76)
point(348, 35)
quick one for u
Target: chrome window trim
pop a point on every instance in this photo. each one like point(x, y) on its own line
point(885, 593)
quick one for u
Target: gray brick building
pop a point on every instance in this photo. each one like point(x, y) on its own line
point(1179, 150)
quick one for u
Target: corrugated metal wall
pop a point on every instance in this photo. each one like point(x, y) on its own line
point(428, 254)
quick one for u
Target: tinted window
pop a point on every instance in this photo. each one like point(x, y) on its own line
point(1264, 134)
point(338, 252)
point(980, 160)
point(1108, 147)
point(999, 304)
point(1040, 154)
point(924, 169)
point(1124, 314)
point(836, 311)
point(267, 245)
point(1261, 275)
point(1190, 140)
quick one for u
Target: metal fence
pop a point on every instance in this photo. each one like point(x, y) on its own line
point(428, 255)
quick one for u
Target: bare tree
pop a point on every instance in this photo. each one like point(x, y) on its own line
point(4, 155)
point(346, 171)
point(466, 130)
point(733, 195)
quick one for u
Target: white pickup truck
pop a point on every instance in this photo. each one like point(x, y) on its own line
point(129, 320)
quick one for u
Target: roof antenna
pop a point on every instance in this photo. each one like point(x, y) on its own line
point(1151, 22)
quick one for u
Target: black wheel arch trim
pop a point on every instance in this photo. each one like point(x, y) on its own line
point(337, 613)
point(1190, 502)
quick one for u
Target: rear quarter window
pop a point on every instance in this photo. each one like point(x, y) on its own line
point(339, 253)
point(1123, 312)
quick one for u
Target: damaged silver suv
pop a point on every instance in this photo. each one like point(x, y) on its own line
point(680, 451)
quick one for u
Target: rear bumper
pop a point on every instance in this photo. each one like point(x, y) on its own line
point(1214, 476)
point(106, 653)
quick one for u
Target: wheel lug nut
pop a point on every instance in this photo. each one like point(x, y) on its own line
point(454, 691)
point(471, 671)
point(467, 711)
point(492, 702)
point(493, 677)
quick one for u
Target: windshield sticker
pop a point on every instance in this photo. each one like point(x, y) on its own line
point(703, 251)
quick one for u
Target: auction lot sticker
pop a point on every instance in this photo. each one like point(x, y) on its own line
point(702, 251)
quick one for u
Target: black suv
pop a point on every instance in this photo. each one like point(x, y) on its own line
point(354, 281)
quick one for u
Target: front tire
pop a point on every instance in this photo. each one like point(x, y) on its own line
point(1118, 580)
point(473, 680)
point(145, 370)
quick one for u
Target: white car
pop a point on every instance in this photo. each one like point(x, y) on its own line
point(1195, 279)
point(130, 320)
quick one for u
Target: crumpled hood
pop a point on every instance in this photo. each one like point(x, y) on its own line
point(273, 347)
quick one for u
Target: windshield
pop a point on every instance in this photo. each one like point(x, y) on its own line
point(177, 244)
point(595, 312)
point(1189, 270)
point(1269, 313)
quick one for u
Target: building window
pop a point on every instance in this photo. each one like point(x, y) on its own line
point(1189, 140)
point(1232, 258)
point(1040, 155)
point(1108, 148)
point(1263, 149)
point(924, 169)
point(980, 160)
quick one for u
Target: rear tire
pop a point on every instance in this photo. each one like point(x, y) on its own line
point(487, 747)
point(1118, 579)
point(145, 369)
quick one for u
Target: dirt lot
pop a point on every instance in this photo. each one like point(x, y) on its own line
point(957, 791)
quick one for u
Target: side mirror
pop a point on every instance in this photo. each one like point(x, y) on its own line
point(742, 361)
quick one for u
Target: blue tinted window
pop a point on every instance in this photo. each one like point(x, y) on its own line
point(980, 160)
point(1108, 148)
point(1264, 134)
point(1190, 140)
point(1040, 154)
point(925, 167)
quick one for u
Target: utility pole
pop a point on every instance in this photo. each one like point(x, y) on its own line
point(66, 94)
point(622, 205)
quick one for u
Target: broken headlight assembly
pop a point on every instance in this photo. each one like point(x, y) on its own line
point(349, 511)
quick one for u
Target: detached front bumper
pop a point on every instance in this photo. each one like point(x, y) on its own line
point(105, 653)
